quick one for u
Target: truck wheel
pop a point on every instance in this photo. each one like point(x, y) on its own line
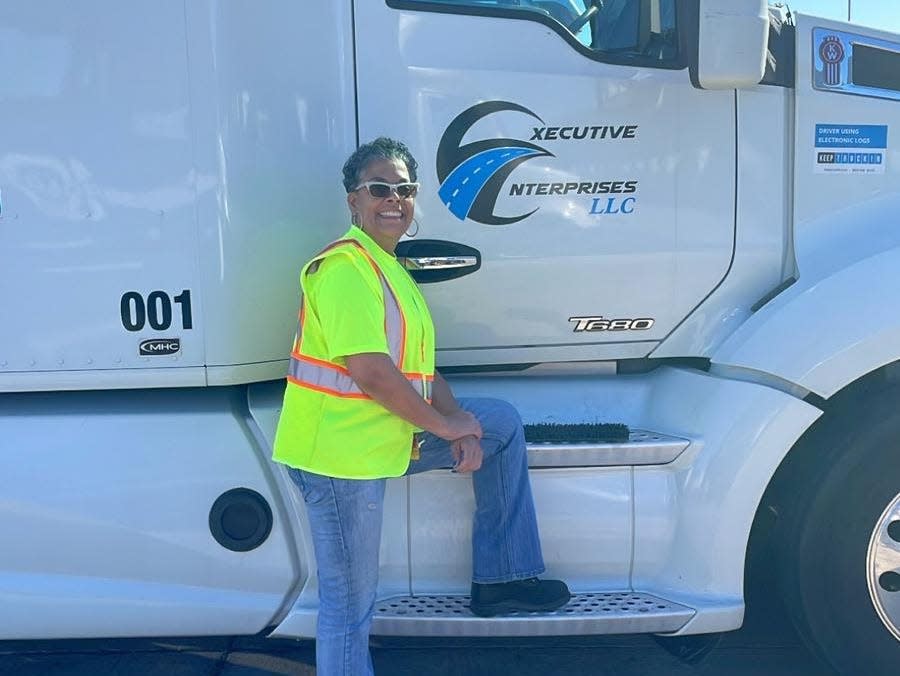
point(840, 542)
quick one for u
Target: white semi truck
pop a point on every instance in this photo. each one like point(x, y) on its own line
point(679, 215)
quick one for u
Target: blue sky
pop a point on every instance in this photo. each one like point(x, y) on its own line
point(884, 14)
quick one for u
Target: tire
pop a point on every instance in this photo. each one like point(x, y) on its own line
point(824, 539)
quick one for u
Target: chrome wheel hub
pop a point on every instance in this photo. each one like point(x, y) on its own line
point(883, 566)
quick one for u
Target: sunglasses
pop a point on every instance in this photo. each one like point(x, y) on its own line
point(380, 189)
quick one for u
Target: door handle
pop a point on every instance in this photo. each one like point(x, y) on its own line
point(440, 262)
point(437, 260)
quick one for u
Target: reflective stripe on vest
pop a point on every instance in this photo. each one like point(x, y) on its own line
point(330, 378)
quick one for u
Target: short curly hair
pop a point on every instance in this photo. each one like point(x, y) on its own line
point(382, 148)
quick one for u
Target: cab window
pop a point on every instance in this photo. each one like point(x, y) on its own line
point(642, 30)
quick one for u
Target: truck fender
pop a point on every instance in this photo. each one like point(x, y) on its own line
point(841, 320)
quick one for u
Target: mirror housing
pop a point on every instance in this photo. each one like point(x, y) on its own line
point(729, 50)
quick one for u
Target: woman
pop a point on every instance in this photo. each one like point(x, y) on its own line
point(364, 403)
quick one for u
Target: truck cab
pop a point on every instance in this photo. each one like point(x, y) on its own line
point(675, 215)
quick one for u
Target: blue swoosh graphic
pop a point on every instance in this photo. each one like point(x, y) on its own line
point(461, 187)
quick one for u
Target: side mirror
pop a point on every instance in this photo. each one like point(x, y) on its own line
point(731, 42)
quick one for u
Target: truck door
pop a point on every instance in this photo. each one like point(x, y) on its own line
point(565, 144)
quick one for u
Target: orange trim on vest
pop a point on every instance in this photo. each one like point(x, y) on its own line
point(298, 338)
point(414, 374)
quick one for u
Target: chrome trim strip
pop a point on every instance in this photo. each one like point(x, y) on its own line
point(442, 262)
point(642, 448)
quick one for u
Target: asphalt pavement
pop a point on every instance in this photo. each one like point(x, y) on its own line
point(577, 656)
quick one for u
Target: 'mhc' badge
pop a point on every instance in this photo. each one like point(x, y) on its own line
point(832, 53)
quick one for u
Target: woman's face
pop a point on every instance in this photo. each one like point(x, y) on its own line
point(384, 219)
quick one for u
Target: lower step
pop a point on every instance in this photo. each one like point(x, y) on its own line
point(586, 613)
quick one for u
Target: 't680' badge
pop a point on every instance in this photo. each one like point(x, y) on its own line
point(600, 323)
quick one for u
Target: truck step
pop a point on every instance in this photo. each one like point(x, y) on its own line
point(586, 613)
point(642, 448)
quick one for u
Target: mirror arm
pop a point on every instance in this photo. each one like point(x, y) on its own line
point(588, 14)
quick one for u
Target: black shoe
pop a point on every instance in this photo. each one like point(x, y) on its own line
point(529, 595)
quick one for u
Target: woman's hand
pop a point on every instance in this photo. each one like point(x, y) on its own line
point(467, 453)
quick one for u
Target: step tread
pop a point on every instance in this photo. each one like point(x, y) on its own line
point(587, 613)
point(643, 447)
point(565, 432)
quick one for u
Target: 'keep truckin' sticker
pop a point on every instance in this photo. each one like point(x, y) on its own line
point(473, 175)
point(851, 149)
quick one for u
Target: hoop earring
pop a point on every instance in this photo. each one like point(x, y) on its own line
point(416, 232)
point(354, 219)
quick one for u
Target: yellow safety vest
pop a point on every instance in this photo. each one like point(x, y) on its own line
point(328, 425)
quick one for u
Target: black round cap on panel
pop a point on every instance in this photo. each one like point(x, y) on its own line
point(240, 519)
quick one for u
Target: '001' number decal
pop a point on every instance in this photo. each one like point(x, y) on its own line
point(155, 310)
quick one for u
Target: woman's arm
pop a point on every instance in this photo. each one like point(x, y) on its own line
point(442, 397)
point(377, 376)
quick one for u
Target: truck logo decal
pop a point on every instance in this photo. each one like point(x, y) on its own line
point(159, 347)
point(472, 175)
point(831, 51)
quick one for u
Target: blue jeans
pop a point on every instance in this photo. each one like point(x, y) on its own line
point(345, 519)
